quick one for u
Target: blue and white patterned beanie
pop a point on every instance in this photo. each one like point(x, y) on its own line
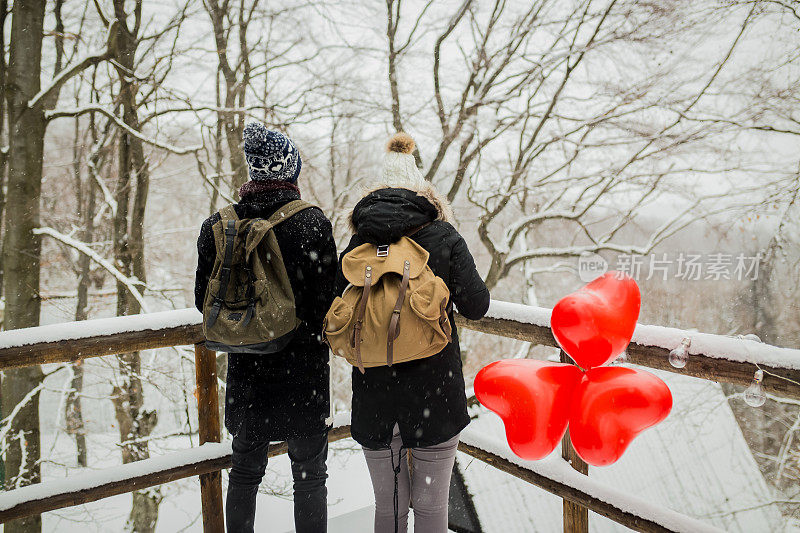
point(270, 155)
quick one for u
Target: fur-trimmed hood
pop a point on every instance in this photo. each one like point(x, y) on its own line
point(385, 213)
point(426, 190)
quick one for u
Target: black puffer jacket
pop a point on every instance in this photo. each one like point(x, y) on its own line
point(286, 394)
point(424, 397)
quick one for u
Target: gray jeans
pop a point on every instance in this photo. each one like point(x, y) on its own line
point(426, 487)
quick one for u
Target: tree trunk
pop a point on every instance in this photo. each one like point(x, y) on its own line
point(21, 248)
point(135, 423)
point(3, 157)
point(234, 128)
point(235, 88)
point(3, 153)
point(217, 148)
point(392, 23)
point(73, 411)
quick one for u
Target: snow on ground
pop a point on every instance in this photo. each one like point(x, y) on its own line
point(696, 462)
point(555, 468)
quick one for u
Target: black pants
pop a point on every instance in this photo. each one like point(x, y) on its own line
point(309, 471)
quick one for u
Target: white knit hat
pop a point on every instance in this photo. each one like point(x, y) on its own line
point(399, 167)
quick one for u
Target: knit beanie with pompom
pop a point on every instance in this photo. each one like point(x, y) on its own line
point(399, 167)
point(270, 154)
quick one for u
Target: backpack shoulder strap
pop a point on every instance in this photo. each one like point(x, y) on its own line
point(287, 211)
point(264, 226)
point(415, 229)
point(228, 213)
point(225, 271)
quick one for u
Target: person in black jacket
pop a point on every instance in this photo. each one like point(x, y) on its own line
point(285, 395)
point(419, 405)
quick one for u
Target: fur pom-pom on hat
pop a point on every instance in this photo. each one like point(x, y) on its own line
point(399, 167)
point(401, 143)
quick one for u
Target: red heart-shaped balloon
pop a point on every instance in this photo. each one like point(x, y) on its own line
point(612, 406)
point(533, 400)
point(595, 323)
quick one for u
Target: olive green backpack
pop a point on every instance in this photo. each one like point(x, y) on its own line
point(249, 304)
point(394, 310)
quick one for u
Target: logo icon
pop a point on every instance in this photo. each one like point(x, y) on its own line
point(591, 266)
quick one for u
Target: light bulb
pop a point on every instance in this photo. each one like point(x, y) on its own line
point(680, 355)
point(755, 396)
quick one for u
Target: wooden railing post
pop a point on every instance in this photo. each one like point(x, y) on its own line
point(208, 412)
point(576, 517)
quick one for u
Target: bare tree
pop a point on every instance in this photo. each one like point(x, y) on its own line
point(541, 142)
point(133, 179)
point(227, 20)
point(127, 93)
point(4, 13)
point(21, 246)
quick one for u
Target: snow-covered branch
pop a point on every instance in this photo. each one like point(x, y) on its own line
point(6, 423)
point(513, 231)
point(210, 180)
point(77, 111)
point(65, 75)
point(108, 196)
point(575, 251)
point(130, 283)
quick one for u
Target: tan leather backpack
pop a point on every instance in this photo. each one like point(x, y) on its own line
point(394, 310)
point(249, 303)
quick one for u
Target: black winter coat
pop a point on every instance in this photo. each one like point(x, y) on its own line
point(424, 397)
point(286, 394)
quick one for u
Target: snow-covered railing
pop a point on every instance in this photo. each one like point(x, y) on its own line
point(712, 357)
point(207, 458)
point(70, 341)
point(95, 485)
point(554, 475)
point(92, 338)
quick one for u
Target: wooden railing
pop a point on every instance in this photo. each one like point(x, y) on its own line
point(712, 357)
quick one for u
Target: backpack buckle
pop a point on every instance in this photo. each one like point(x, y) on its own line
point(383, 250)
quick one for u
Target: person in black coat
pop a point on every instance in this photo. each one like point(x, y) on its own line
point(419, 405)
point(285, 395)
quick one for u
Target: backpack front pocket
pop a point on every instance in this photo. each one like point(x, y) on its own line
point(335, 327)
point(428, 301)
point(339, 316)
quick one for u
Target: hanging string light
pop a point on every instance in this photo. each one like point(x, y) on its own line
point(680, 355)
point(755, 396)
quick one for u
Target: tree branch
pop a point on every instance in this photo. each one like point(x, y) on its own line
point(60, 113)
point(130, 283)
